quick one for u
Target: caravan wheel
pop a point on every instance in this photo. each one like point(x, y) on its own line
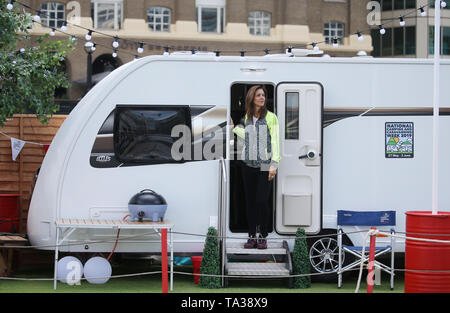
point(324, 255)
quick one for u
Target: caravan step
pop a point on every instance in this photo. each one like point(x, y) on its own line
point(272, 248)
point(257, 269)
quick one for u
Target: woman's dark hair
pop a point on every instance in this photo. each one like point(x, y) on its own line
point(250, 105)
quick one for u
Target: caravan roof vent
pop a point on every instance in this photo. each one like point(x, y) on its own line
point(197, 53)
point(305, 52)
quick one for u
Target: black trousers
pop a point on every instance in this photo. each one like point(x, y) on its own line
point(257, 189)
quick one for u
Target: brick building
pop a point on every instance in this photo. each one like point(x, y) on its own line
point(226, 25)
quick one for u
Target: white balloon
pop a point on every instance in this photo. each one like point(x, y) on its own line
point(97, 270)
point(70, 270)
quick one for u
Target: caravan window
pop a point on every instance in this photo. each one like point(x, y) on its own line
point(144, 134)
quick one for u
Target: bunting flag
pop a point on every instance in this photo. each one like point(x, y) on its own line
point(16, 147)
point(45, 147)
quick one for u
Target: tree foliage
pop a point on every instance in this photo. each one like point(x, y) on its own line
point(29, 76)
point(210, 261)
point(300, 260)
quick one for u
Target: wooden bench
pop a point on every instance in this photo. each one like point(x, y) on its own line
point(6, 254)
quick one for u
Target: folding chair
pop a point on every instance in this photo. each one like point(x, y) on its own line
point(368, 219)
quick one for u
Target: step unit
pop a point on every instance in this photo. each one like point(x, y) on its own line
point(259, 263)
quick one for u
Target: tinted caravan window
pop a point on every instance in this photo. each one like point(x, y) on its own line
point(144, 134)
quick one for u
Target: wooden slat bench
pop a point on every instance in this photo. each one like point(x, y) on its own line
point(6, 254)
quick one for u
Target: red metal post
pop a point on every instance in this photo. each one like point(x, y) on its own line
point(371, 263)
point(165, 284)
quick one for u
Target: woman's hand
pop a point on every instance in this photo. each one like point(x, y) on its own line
point(272, 172)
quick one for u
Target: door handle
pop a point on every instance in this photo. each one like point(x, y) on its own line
point(310, 155)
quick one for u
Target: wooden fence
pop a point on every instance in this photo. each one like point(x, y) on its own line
point(16, 176)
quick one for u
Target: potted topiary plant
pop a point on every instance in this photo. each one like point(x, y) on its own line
point(210, 261)
point(300, 261)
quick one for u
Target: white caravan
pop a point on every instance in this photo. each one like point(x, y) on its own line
point(355, 134)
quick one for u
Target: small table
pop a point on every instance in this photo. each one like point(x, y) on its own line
point(65, 227)
point(6, 254)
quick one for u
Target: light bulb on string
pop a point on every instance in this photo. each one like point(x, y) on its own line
point(242, 54)
point(335, 43)
point(267, 52)
point(114, 54)
point(289, 50)
point(10, 5)
point(94, 47)
point(37, 17)
point(64, 26)
point(116, 42)
point(141, 48)
point(422, 12)
point(193, 53)
point(52, 33)
point(402, 21)
point(22, 50)
point(382, 30)
point(443, 4)
point(315, 47)
point(89, 35)
point(166, 51)
point(360, 36)
point(217, 54)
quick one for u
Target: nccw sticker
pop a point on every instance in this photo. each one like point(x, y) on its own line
point(399, 140)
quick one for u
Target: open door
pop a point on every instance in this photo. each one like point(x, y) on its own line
point(299, 179)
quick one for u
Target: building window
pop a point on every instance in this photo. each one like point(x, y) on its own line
point(389, 5)
point(143, 134)
point(259, 23)
point(107, 14)
point(158, 19)
point(333, 30)
point(53, 14)
point(396, 41)
point(445, 40)
point(211, 16)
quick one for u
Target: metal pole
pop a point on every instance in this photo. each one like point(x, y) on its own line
point(89, 72)
point(437, 55)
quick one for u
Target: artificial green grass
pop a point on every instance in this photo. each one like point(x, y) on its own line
point(182, 283)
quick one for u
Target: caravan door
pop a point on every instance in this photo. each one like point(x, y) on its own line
point(299, 179)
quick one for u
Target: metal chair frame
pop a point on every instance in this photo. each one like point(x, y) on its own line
point(378, 252)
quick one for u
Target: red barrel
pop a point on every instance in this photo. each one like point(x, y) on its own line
point(196, 262)
point(425, 257)
point(9, 213)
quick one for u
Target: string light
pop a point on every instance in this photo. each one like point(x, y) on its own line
point(422, 12)
point(335, 43)
point(37, 17)
point(166, 51)
point(94, 47)
point(114, 55)
point(360, 36)
point(89, 35)
point(267, 51)
point(10, 5)
point(64, 27)
point(52, 33)
point(116, 42)
point(141, 47)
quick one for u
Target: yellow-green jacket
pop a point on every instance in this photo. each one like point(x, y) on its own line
point(271, 147)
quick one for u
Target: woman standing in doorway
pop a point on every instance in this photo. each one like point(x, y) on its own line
point(261, 158)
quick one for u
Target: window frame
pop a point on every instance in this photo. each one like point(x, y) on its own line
point(121, 108)
point(46, 14)
point(118, 19)
point(221, 14)
point(162, 14)
point(329, 38)
point(261, 27)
